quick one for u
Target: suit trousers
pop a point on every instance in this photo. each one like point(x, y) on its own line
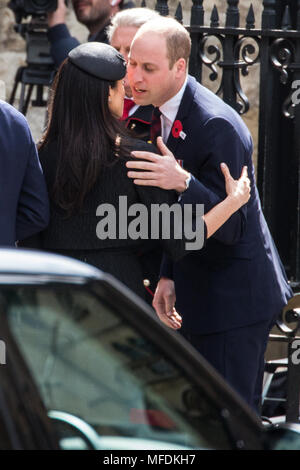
point(238, 355)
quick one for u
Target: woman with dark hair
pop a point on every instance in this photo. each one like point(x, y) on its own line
point(83, 154)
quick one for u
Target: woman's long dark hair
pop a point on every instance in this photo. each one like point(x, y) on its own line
point(86, 133)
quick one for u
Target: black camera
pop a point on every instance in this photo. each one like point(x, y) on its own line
point(24, 8)
point(40, 70)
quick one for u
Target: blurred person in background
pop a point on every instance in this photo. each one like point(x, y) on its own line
point(121, 32)
point(94, 14)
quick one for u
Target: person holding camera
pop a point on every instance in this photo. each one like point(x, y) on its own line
point(94, 14)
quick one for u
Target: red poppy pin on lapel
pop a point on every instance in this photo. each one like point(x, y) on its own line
point(177, 130)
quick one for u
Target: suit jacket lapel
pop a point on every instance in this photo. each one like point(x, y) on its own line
point(182, 113)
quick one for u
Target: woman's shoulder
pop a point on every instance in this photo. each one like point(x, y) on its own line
point(47, 150)
point(140, 145)
point(48, 155)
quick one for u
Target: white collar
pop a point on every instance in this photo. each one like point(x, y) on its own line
point(170, 108)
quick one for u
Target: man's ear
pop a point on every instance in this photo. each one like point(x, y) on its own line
point(180, 66)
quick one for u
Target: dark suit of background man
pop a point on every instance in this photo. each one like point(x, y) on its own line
point(23, 195)
point(94, 14)
point(120, 33)
point(230, 292)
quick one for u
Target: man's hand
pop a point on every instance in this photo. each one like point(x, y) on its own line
point(59, 15)
point(164, 302)
point(162, 171)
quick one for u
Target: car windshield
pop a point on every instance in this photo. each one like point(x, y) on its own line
point(101, 380)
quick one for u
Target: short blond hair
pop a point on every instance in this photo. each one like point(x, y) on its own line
point(130, 18)
point(178, 40)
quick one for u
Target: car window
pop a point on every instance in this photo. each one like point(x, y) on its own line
point(104, 384)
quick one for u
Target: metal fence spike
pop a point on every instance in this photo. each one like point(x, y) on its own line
point(214, 19)
point(250, 20)
point(286, 20)
point(178, 14)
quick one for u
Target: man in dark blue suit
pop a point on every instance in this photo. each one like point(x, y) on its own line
point(229, 293)
point(24, 207)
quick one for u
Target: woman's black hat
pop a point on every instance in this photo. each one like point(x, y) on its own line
point(100, 60)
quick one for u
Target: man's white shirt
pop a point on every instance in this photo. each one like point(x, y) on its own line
point(169, 111)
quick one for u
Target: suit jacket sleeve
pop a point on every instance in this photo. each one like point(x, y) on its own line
point(174, 246)
point(61, 43)
point(221, 144)
point(166, 267)
point(33, 205)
